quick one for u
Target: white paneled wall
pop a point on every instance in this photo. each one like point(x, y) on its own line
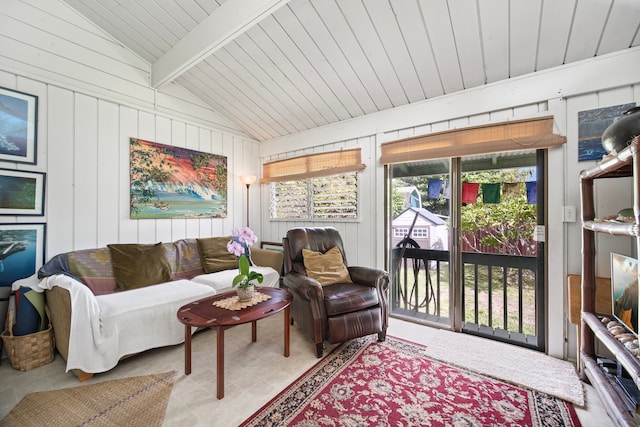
point(93, 96)
point(83, 146)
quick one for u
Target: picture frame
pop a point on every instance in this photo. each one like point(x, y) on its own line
point(18, 126)
point(22, 250)
point(23, 192)
point(272, 246)
point(591, 125)
point(169, 182)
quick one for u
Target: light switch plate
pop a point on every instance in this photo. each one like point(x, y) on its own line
point(569, 214)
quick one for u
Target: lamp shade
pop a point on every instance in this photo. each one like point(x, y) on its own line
point(248, 179)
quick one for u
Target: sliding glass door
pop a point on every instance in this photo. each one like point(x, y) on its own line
point(463, 250)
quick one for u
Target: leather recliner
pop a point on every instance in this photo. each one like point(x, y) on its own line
point(336, 312)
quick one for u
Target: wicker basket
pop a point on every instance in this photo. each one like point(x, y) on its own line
point(28, 351)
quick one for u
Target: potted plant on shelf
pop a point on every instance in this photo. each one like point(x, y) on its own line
point(241, 240)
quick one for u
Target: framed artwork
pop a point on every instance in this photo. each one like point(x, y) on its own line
point(175, 182)
point(22, 193)
point(21, 251)
point(18, 126)
point(272, 246)
point(591, 125)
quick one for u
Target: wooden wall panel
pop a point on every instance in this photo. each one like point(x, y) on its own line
point(60, 176)
point(129, 126)
point(59, 46)
point(85, 171)
point(107, 167)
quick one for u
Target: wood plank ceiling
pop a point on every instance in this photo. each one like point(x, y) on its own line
point(277, 67)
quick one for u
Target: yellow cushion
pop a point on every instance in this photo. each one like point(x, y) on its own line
point(327, 268)
point(136, 265)
point(214, 254)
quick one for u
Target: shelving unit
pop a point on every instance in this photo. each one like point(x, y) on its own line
point(618, 406)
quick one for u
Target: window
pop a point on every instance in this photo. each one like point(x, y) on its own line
point(420, 233)
point(400, 232)
point(417, 233)
point(327, 197)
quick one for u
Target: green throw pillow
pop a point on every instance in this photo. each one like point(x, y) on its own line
point(136, 266)
point(214, 254)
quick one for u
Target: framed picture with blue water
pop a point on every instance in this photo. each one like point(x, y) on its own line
point(21, 250)
point(18, 126)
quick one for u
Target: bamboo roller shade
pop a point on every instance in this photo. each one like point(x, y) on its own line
point(509, 136)
point(313, 165)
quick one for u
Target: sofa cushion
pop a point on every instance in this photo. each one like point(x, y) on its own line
point(138, 265)
point(93, 268)
point(222, 280)
point(184, 259)
point(327, 268)
point(152, 310)
point(214, 254)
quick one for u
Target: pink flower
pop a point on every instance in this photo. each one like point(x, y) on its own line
point(235, 248)
point(245, 235)
point(241, 237)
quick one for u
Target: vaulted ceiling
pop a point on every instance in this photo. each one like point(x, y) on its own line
point(277, 67)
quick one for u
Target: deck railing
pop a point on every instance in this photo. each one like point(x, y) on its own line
point(498, 292)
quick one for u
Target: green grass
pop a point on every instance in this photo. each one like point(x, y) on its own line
point(481, 317)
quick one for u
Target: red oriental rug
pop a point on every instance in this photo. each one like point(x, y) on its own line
point(364, 383)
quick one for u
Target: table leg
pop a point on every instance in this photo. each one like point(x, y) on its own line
point(287, 330)
point(254, 331)
point(187, 350)
point(220, 362)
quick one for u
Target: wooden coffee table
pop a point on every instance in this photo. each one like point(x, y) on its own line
point(203, 313)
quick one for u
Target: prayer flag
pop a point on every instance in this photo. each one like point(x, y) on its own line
point(446, 190)
point(512, 190)
point(491, 193)
point(434, 186)
point(532, 192)
point(470, 192)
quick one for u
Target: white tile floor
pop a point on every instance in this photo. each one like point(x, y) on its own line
point(254, 373)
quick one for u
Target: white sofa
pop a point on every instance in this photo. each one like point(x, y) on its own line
point(95, 324)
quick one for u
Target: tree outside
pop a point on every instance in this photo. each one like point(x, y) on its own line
point(507, 227)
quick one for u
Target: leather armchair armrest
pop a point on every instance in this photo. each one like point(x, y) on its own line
point(308, 288)
point(377, 279)
point(370, 277)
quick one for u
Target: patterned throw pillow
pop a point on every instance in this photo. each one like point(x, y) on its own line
point(93, 268)
point(184, 258)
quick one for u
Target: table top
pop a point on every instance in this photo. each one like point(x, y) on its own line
point(203, 313)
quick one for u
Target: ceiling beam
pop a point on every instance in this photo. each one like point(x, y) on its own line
point(223, 25)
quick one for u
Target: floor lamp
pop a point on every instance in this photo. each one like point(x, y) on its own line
point(248, 180)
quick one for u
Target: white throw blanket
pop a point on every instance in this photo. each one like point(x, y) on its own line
point(107, 327)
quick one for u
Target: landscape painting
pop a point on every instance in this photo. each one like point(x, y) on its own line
point(175, 182)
